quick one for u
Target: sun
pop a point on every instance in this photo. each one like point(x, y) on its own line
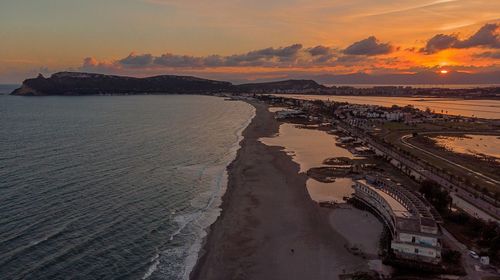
point(443, 71)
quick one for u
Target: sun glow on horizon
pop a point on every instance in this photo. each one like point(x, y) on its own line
point(443, 71)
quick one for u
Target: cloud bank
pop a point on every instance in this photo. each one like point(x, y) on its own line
point(369, 51)
point(295, 55)
point(487, 36)
point(368, 55)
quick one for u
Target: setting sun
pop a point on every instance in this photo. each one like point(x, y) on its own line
point(443, 71)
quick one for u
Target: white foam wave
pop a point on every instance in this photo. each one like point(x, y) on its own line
point(208, 204)
point(212, 211)
point(155, 261)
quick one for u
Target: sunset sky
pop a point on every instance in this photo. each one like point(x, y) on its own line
point(247, 40)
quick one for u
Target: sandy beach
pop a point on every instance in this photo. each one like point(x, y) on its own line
point(269, 227)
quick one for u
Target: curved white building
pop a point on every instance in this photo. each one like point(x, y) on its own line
point(411, 219)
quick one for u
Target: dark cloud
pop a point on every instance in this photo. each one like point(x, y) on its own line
point(352, 59)
point(135, 60)
point(322, 55)
point(487, 36)
point(265, 56)
point(293, 55)
point(369, 46)
point(172, 60)
point(319, 50)
point(439, 42)
point(494, 55)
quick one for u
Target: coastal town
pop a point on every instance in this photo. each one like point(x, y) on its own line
point(379, 90)
point(437, 211)
point(250, 140)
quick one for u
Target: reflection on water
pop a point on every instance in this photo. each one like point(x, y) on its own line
point(309, 148)
point(489, 109)
point(471, 144)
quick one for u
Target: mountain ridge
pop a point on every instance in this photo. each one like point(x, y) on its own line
point(81, 83)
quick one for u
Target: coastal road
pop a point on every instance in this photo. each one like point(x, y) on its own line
point(404, 141)
point(468, 262)
point(475, 206)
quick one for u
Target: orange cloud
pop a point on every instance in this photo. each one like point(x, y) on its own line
point(473, 53)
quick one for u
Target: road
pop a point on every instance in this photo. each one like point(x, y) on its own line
point(406, 143)
point(492, 212)
point(467, 261)
point(475, 206)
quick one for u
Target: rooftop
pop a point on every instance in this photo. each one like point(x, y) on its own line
point(412, 212)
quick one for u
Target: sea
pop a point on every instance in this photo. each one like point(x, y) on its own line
point(112, 187)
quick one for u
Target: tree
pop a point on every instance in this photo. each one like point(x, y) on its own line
point(451, 256)
point(437, 196)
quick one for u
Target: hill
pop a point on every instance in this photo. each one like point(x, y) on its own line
point(75, 83)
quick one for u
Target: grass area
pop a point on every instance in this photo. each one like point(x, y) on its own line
point(484, 237)
point(467, 161)
point(393, 136)
point(467, 126)
point(395, 126)
point(458, 232)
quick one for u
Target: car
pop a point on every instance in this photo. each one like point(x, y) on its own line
point(473, 255)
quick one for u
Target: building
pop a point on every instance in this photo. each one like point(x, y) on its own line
point(412, 221)
point(289, 113)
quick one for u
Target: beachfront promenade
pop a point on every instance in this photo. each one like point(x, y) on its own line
point(476, 205)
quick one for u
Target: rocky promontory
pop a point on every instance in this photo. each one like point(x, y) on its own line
point(77, 83)
point(74, 83)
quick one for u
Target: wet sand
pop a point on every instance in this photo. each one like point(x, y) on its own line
point(309, 148)
point(267, 212)
point(361, 228)
point(334, 192)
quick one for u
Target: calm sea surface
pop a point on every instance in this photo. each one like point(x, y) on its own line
point(117, 187)
point(7, 88)
point(489, 109)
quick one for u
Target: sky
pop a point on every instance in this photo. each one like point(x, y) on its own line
point(239, 40)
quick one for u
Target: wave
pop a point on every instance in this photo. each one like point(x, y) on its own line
point(216, 200)
point(208, 205)
point(155, 261)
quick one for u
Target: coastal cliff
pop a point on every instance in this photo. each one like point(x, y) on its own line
point(76, 83)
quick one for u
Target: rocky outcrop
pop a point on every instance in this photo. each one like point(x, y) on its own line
point(77, 83)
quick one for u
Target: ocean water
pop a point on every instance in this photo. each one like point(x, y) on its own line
point(116, 187)
point(7, 88)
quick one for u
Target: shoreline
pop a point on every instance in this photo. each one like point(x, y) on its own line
point(269, 227)
point(215, 203)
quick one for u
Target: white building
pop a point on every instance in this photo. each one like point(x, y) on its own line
point(393, 116)
point(411, 220)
